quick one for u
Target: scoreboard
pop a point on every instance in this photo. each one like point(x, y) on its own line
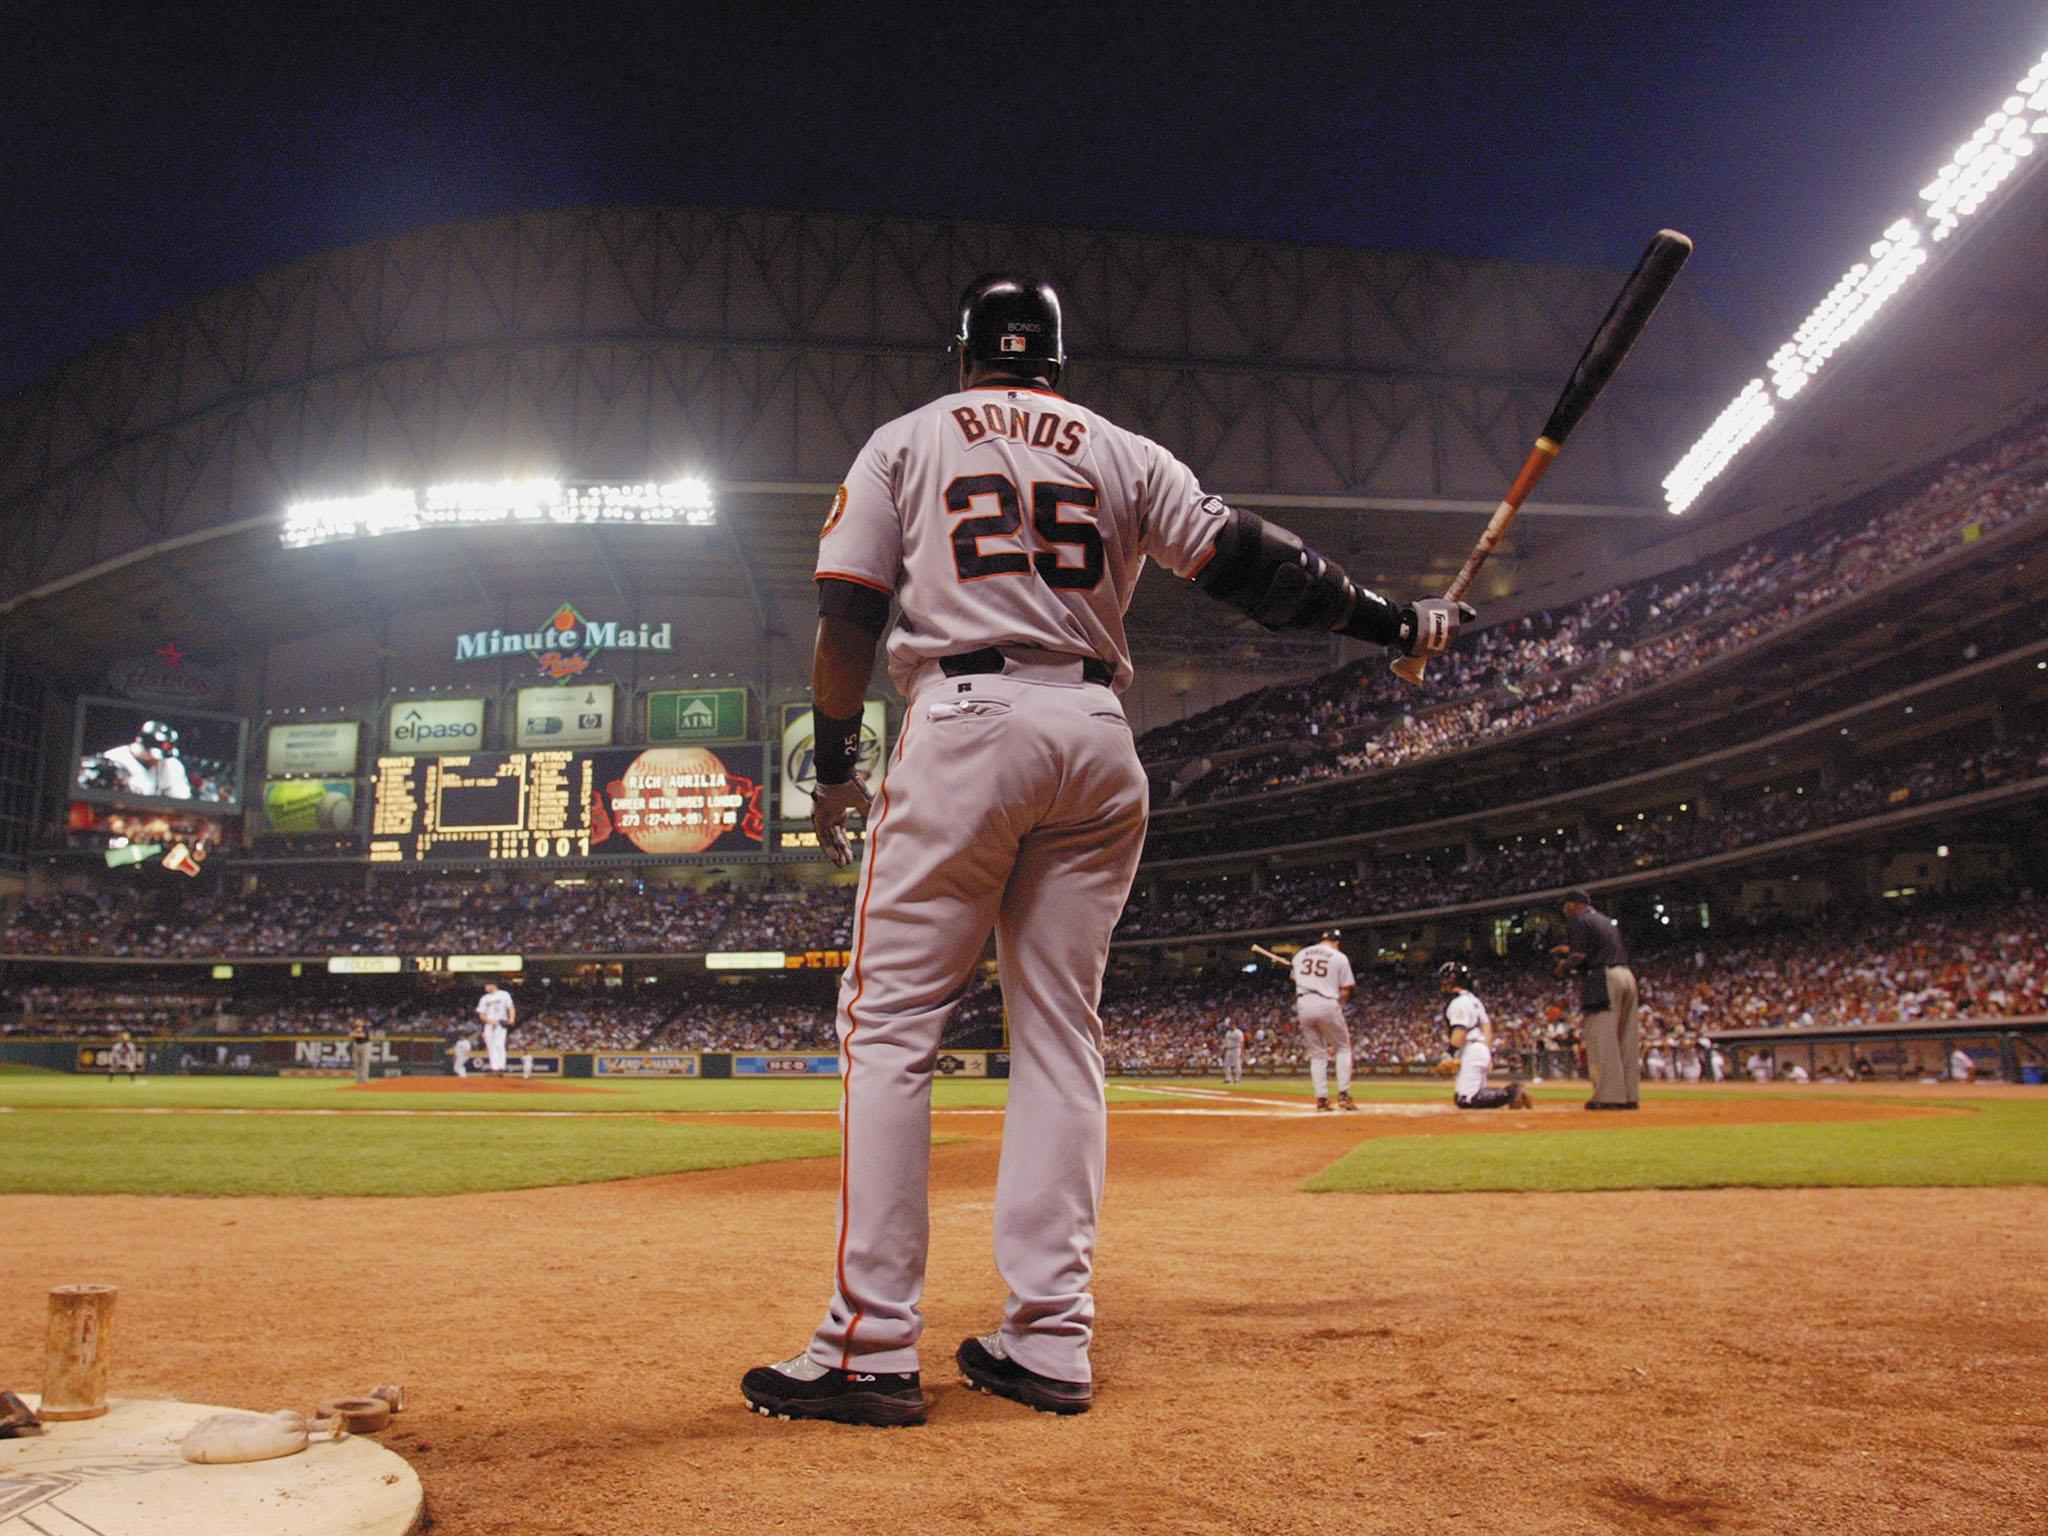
point(612, 803)
point(502, 805)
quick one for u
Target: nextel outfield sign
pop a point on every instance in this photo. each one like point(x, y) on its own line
point(564, 647)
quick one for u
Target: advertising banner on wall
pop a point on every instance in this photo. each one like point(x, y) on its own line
point(430, 727)
point(312, 749)
point(565, 646)
point(799, 762)
point(698, 714)
point(307, 805)
point(565, 717)
point(785, 1064)
point(646, 1064)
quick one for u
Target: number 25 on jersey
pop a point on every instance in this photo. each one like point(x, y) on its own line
point(994, 544)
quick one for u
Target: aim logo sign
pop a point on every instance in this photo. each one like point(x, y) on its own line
point(565, 646)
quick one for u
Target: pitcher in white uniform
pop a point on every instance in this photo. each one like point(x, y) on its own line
point(495, 1011)
point(1010, 526)
point(1322, 986)
point(1471, 1035)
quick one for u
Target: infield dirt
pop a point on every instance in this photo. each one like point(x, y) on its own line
point(1268, 1361)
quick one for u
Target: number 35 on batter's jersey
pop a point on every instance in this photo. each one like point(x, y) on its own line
point(1074, 559)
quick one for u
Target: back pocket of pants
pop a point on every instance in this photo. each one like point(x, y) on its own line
point(966, 709)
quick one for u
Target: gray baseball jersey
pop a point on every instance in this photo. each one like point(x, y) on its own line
point(1009, 516)
point(1005, 518)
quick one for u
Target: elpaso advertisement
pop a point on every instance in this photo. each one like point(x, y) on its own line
point(579, 716)
point(800, 763)
point(433, 727)
point(312, 749)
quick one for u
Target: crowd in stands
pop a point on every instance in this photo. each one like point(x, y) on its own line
point(1546, 666)
point(413, 918)
point(1540, 774)
point(1573, 853)
point(635, 917)
point(1988, 960)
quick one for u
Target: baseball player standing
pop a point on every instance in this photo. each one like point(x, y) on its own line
point(1233, 1052)
point(1471, 1032)
point(359, 1046)
point(496, 1012)
point(1010, 526)
point(1322, 986)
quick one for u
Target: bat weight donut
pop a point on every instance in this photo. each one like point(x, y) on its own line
point(358, 1415)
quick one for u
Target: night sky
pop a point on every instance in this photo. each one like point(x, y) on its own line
point(152, 154)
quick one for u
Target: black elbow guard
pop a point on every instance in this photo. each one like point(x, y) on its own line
point(1268, 573)
point(849, 600)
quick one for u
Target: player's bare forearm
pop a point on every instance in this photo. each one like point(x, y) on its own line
point(841, 666)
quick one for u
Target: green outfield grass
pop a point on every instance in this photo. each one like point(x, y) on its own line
point(1993, 1141)
point(61, 1152)
point(64, 1090)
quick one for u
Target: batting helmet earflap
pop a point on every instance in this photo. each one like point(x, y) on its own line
point(1015, 320)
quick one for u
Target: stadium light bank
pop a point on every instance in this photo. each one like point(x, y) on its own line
point(1960, 189)
point(684, 503)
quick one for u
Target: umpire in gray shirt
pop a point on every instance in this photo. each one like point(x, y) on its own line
point(1607, 993)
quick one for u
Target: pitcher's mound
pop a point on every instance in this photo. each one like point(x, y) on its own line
point(121, 1475)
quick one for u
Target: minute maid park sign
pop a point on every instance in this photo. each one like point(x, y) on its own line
point(564, 646)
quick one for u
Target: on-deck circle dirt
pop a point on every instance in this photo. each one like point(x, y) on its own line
point(1269, 1361)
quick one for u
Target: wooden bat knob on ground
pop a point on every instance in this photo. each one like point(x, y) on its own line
point(77, 1345)
point(1624, 322)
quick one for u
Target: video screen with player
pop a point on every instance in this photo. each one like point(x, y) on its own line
point(138, 754)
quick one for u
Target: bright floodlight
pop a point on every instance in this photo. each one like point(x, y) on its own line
point(1746, 415)
point(1988, 156)
point(1960, 189)
point(1864, 289)
point(480, 503)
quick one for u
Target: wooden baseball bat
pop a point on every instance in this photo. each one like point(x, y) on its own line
point(1625, 320)
point(1265, 953)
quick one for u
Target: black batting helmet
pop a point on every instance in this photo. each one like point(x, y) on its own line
point(157, 735)
point(1006, 319)
point(1453, 973)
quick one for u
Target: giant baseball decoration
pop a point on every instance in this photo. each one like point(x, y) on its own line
point(1625, 320)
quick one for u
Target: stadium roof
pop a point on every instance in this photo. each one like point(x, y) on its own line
point(1377, 401)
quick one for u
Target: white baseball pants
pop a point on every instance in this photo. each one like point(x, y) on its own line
point(494, 1046)
point(1018, 805)
point(1475, 1065)
point(1324, 1031)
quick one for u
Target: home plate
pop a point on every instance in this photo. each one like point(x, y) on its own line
point(121, 1475)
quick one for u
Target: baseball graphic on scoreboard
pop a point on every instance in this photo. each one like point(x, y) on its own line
point(678, 800)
